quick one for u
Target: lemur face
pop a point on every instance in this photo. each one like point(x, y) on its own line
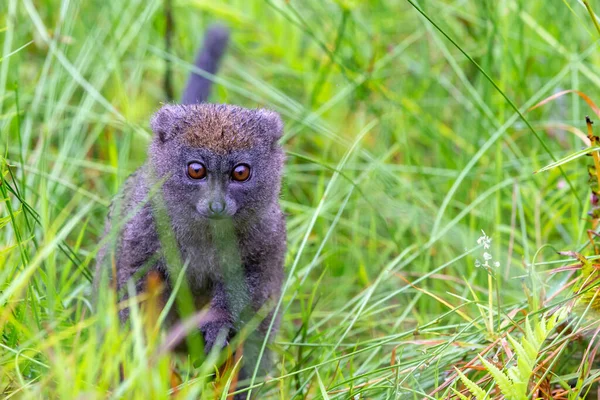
point(218, 185)
point(218, 161)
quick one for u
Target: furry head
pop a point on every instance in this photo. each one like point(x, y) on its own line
point(217, 160)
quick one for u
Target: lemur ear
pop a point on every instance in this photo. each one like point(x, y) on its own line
point(272, 123)
point(165, 123)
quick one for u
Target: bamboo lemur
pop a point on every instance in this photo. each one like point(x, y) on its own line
point(217, 166)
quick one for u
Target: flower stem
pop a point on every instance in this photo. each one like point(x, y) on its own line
point(491, 302)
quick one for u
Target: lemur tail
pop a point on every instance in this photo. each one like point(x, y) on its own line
point(208, 59)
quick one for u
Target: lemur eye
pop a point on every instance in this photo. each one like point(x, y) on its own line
point(241, 173)
point(196, 170)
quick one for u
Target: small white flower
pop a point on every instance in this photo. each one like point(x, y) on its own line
point(485, 240)
point(488, 260)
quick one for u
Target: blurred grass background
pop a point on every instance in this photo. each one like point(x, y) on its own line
point(400, 152)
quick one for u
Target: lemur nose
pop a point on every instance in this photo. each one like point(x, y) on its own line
point(216, 206)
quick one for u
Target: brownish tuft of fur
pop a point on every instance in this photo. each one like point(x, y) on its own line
point(216, 132)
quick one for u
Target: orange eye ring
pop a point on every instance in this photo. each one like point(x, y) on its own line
point(196, 170)
point(241, 172)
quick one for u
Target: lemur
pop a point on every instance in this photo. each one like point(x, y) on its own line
point(218, 169)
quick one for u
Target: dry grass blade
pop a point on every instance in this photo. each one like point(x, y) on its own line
point(562, 93)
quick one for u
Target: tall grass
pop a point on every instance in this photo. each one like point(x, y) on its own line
point(407, 132)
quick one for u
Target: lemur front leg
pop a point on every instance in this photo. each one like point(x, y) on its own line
point(216, 326)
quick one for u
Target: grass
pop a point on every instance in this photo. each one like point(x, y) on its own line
point(407, 133)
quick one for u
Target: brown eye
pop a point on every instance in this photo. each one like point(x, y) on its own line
point(196, 170)
point(241, 173)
